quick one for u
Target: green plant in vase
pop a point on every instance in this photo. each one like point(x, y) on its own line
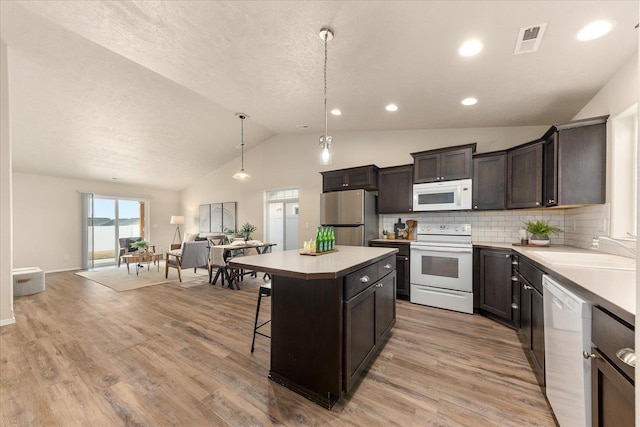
point(246, 230)
point(540, 231)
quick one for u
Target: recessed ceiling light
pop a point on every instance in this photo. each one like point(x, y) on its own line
point(594, 30)
point(470, 48)
point(114, 178)
point(336, 112)
point(391, 107)
point(302, 126)
point(469, 101)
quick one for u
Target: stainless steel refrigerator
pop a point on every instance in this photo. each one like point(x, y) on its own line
point(352, 214)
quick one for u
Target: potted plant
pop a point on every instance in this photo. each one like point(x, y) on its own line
point(246, 230)
point(139, 245)
point(540, 231)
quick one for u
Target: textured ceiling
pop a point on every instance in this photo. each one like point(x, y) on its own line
point(105, 89)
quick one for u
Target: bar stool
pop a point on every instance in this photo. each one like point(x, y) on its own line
point(265, 291)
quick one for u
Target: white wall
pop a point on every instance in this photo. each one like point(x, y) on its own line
point(6, 228)
point(47, 219)
point(293, 161)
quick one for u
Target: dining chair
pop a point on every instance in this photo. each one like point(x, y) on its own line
point(192, 255)
point(218, 261)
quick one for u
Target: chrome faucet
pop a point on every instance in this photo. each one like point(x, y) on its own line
point(595, 244)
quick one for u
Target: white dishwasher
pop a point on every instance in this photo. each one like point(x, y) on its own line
point(567, 334)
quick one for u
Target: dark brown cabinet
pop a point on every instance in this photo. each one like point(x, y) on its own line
point(490, 181)
point(612, 380)
point(575, 163)
point(495, 285)
point(395, 190)
point(369, 316)
point(524, 176)
point(358, 178)
point(443, 164)
point(403, 273)
point(531, 308)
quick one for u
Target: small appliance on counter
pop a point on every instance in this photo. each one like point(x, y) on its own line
point(411, 229)
point(442, 267)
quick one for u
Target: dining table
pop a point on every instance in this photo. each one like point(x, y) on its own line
point(234, 250)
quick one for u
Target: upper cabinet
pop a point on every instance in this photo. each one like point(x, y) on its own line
point(444, 164)
point(359, 178)
point(524, 176)
point(395, 190)
point(490, 181)
point(575, 163)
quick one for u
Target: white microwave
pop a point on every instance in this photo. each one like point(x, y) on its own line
point(442, 196)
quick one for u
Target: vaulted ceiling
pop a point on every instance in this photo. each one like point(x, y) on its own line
point(147, 91)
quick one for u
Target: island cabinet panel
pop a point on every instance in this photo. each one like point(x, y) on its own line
point(327, 327)
point(369, 317)
point(302, 309)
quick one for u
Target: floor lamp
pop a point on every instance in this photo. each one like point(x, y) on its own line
point(177, 220)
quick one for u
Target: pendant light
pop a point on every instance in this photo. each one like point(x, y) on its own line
point(326, 141)
point(242, 175)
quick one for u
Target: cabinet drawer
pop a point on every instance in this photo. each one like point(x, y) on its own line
point(531, 273)
point(610, 335)
point(358, 281)
point(386, 265)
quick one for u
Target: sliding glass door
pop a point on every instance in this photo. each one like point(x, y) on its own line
point(109, 219)
point(281, 212)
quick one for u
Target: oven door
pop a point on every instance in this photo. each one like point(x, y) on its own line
point(442, 267)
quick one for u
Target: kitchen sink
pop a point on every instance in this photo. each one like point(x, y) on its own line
point(588, 260)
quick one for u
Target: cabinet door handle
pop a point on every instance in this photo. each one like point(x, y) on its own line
point(551, 201)
point(514, 279)
point(475, 207)
point(387, 266)
point(537, 203)
point(364, 279)
point(507, 255)
point(514, 262)
point(514, 306)
point(442, 178)
point(406, 258)
point(590, 356)
point(627, 355)
point(527, 287)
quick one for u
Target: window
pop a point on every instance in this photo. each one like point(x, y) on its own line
point(624, 175)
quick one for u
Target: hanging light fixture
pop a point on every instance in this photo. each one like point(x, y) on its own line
point(326, 141)
point(242, 175)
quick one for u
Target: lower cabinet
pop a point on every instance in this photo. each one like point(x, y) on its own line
point(612, 378)
point(403, 263)
point(532, 325)
point(369, 317)
point(495, 285)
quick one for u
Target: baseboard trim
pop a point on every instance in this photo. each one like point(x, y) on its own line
point(5, 322)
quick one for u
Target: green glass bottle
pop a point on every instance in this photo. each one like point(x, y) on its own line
point(318, 241)
point(332, 238)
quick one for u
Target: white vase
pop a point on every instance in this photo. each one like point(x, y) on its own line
point(539, 240)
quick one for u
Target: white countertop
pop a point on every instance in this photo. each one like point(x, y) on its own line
point(326, 266)
point(615, 286)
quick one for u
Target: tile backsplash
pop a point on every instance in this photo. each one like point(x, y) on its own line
point(579, 225)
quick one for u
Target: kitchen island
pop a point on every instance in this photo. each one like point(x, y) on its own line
point(330, 316)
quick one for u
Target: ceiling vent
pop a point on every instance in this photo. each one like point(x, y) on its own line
point(529, 39)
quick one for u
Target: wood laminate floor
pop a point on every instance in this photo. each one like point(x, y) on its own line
point(82, 354)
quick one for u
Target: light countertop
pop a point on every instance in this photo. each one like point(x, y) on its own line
point(327, 266)
point(617, 287)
